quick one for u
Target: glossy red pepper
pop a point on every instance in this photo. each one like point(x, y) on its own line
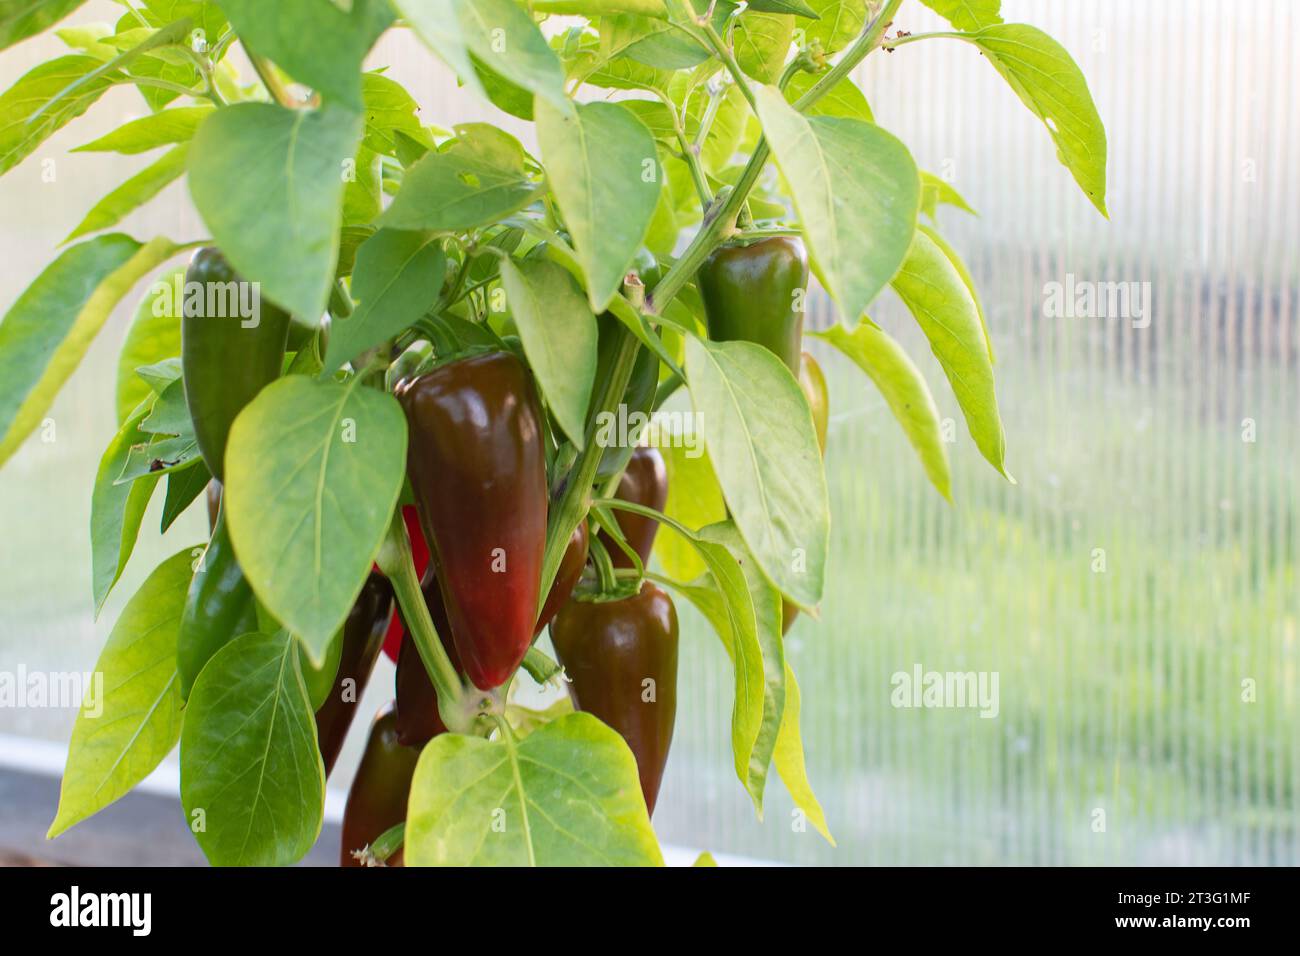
point(363, 635)
point(566, 578)
point(477, 465)
point(377, 799)
point(645, 482)
point(621, 660)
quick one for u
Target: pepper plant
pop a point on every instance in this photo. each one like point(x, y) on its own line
point(387, 320)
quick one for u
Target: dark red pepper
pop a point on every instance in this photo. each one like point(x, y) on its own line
point(621, 660)
point(377, 799)
point(477, 465)
point(363, 635)
point(645, 482)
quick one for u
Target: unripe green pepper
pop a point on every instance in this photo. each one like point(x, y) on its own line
point(218, 608)
point(755, 293)
point(645, 482)
point(377, 798)
point(477, 463)
point(225, 359)
point(621, 661)
point(362, 638)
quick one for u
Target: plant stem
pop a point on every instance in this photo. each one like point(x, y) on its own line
point(540, 667)
point(395, 561)
point(269, 80)
point(646, 512)
point(690, 156)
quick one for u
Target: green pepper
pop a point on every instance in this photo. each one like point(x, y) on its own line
point(362, 638)
point(377, 798)
point(477, 464)
point(621, 661)
point(645, 482)
point(813, 383)
point(226, 357)
point(218, 608)
point(755, 293)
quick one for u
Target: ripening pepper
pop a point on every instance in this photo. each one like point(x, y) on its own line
point(621, 660)
point(645, 482)
point(477, 465)
point(225, 359)
point(218, 608)
point(377, 799)
point(363, 635)
point(755, 293)
point(813, 383)
point(418, 719)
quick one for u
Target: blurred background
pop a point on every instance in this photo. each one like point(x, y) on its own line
point(1135, 592)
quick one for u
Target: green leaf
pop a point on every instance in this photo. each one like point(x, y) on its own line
point(206, 15)
point(653, 42)
point(363, 191)
point(967, 279)
point(694, 499)
point(839, 25)
point(116, 510)
point(935, 191)
point(967, 14)
point(857, 192)
point(604, 172)
point(281, 169)
point(389, 110)
point(154, 335)
point(799, 7)
point(789, 759)
point(128, 723)
point(939, 300)
point(497, 33)
point(1050, 83)
point(766, 603)
point(762, 41)
point(251, 771)
point(565, 795)
point(705, 859)
point(456, 190)
point(759, 432)
point(313, 472)
point(20, 19)
point(183, 487)
point(558, 330)
point(316, 43)
point(843, 99)
point(904, 390)
point(150, 132)
point(396, 279)
point(133, 193)
point(20, 130)
point(47, 331)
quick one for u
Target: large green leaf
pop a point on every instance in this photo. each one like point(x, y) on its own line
point(558, 330)
point(857, 192)
point(149, 132)
point(967, 14)
point(966, 278)
point(131, 721)
point(313, 472)
point(315, 42)
point(1049, 82)
point(604, 172)
point(20, 134)
point(268, 182)
point(904, 390)
point(133, 193)
point(154, 335)
point(762, 41)
point(47, 331)
point(694, 499)
point(497, 33)
point(458, 189)
point(252, 781)
point(789, 760)
point(20, 19)
point(565, 795)
point(390, 110)
point(843, 99)
point(395, 281)
point(649, 41)
point(839, 23)
point(759, 432)
point(939, 300)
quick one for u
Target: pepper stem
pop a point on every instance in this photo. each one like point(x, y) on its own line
point(395, 561)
